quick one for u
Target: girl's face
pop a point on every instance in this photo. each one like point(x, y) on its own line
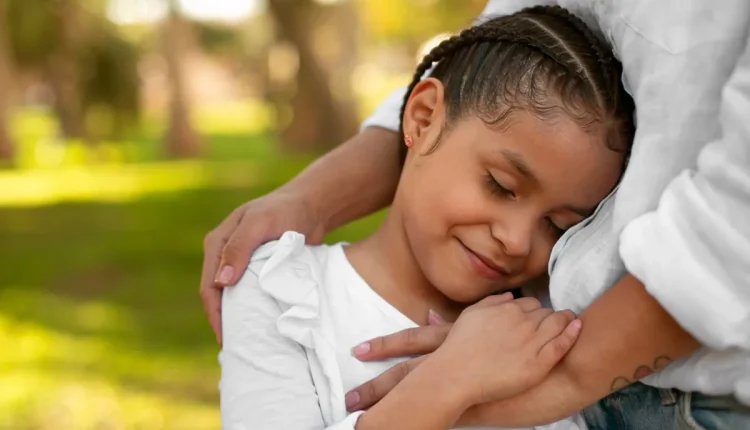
point(483, 211)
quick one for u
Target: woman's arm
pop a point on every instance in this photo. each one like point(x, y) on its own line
point(265, 379)
point(627, 335)
point(693, 251)
point(497, 348)
point(353, 180)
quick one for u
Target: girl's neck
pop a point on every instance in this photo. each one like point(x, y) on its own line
point(386, 262)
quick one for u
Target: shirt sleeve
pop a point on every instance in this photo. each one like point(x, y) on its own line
point(265, 378)
point(693, 252)
point(387, 114)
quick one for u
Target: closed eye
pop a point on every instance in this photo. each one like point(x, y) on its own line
point(496, 188)
point(555, 228)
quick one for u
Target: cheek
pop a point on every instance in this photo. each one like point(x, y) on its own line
point(444, 195)
point(538, 260)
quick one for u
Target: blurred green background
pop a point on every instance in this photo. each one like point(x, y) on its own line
point(129, 129)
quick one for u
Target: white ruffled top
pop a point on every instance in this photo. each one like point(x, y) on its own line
point(288, 329)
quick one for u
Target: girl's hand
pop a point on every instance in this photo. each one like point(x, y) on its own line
point(425, 340)
point(498, 349)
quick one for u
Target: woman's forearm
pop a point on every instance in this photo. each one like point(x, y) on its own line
point(422, 401)
point(626, 335)
point(355, 179)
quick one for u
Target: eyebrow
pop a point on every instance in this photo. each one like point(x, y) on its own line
point(519, 163)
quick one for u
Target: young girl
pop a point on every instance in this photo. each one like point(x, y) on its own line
point(518, 133)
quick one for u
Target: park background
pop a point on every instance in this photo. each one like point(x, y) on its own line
point(128, 130)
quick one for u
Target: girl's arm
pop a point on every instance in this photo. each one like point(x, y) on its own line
point(626, 335)
point(265, 380)
point(495, 350)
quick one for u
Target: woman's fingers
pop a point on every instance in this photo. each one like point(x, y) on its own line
point(247, 235)
point(372, 391)
point(412, 341)
point(210, 295)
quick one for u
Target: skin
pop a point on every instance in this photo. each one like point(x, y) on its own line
point(526, 352)
point(610, 348)
point(304, 205)
point(624, 329)
point(489, 225)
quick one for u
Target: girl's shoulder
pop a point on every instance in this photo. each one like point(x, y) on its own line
point(292, 275)
point(288, 253)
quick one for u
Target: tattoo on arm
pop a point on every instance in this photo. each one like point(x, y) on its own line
point(641, 371)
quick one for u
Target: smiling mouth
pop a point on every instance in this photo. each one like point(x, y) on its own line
point(483, 266)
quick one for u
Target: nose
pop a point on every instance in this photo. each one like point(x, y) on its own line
point(514, 235)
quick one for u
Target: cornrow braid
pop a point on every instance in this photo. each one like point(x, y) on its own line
point(516, 61)
point(609, 67)
point(468, 37)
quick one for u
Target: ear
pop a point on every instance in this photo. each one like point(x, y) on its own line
point(424, 115)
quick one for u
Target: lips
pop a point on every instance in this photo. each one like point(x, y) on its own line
point(485, 266)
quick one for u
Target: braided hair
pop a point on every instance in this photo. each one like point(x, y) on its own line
point(542, 59)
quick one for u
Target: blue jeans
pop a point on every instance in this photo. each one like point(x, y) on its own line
point(641, 407)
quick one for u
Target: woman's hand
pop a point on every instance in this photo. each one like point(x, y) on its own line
point(353, 180)
point(482, 340)
point(227, 249)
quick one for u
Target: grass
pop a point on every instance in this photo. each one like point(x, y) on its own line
point(101, 326)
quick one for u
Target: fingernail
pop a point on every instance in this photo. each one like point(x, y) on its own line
point(225, 275)
point(351, 399)
point(361, 349)
point(434, 318)
point(575, 324)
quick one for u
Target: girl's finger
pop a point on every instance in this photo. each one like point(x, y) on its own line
point(434, 318)
point(540, 315)
point(372, 391)
point(412, 341)
point(528, 304)
point(555, 323)
point(555, 349)
point(493, 300)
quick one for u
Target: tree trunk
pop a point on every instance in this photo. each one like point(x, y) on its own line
point(63, 70)
point(182, 140)
point(319, 120)
point(6, 143)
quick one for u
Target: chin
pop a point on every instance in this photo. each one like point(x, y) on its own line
point(466, 291)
